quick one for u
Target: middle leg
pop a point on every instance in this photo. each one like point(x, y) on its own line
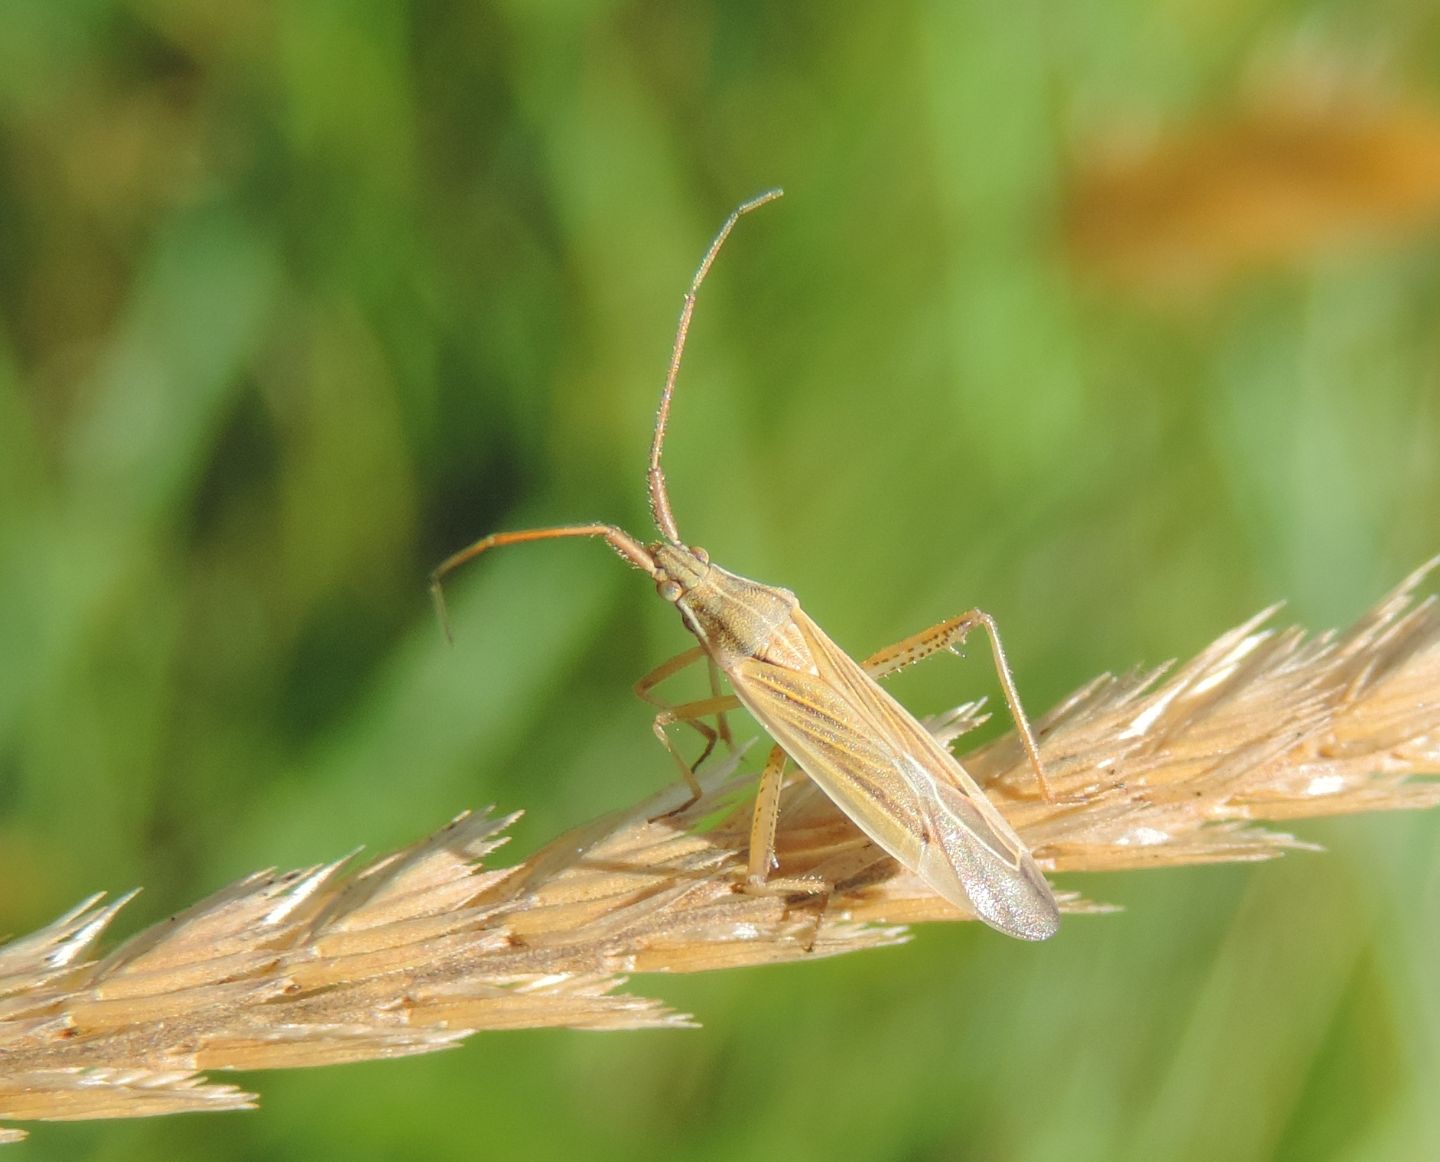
point(762, 837)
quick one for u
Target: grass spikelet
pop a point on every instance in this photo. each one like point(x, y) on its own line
point(416, 950)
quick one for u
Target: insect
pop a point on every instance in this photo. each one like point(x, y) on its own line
point(826, 712)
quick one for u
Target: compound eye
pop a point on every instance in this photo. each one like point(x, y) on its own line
point(700, 554)
point(670, 590)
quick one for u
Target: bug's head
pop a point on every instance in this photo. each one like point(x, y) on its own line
point(678, 569)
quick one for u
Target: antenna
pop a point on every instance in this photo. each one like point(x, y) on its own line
point(655, 478)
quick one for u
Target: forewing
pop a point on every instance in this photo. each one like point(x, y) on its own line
point(885, 771)
point(816, 727)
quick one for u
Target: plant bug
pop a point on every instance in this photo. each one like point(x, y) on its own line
point(825, 712)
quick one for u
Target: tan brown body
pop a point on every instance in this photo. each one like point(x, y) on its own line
point(866, 751)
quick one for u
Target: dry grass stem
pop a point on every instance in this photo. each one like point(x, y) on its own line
point(418, 949)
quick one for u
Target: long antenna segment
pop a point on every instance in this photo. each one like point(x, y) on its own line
point(655, 477)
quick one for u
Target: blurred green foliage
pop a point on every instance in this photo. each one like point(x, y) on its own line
point(297, 299)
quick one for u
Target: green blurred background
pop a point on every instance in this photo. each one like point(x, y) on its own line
point(297, 299)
